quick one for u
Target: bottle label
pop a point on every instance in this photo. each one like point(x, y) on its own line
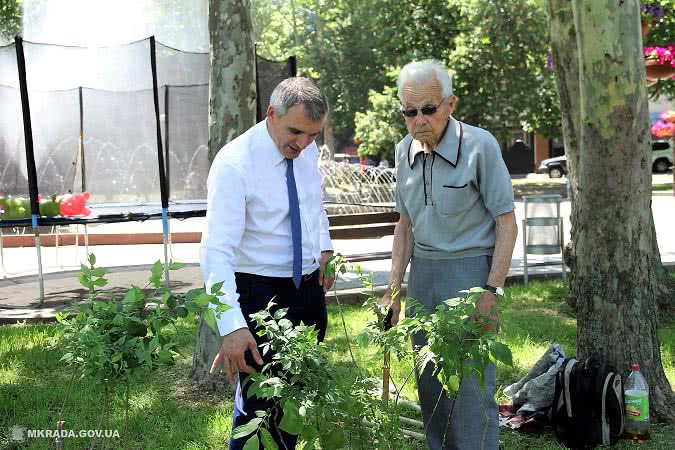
point(637, 406)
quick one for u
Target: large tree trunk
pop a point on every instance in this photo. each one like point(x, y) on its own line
point(564, 53)
point(615, 281)
point(232, 100)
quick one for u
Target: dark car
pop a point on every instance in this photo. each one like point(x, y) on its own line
point(662, 160)
point(554, 167)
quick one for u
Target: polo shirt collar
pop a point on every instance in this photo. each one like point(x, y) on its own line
point(448, 148)
point(268, 145)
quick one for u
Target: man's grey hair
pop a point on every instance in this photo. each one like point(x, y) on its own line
point(422, 71)
point(299, 90)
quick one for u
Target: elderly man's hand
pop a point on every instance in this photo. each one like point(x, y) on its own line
point(487, 313)
point(394, 305)
point(325, 281)
point(231, 354)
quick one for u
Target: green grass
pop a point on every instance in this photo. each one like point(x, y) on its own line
point(167, 413)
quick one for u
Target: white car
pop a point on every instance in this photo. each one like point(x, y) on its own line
point(662, 160)
point(662, 156)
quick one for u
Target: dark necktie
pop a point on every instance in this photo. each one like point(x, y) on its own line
point(296, 229)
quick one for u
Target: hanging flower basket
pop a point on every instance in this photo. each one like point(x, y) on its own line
point(668, 116)
point(659, 63)
point(663, 130)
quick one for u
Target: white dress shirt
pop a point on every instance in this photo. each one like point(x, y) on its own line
point(248, 226)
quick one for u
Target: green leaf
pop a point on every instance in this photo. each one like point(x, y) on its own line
point(99, 272)
point(291, 422)
point(268, 440)
point(157, 270)
point(453, 383)
point(85, 270)
point(92, 259)
point(253, 443)
point(501, 353)
point(246, 429)
point(203, 299)
point(170, 302)
point(100, 282)
point(210, 318)
point(175, 265)
point(216, 287)
point(84, 280)
point(334, 439)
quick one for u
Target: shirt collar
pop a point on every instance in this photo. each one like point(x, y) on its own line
point(448, 148)
point(270, 148)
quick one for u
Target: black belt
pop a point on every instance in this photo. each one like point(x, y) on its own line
point(306, 277)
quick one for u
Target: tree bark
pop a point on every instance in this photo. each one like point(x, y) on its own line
point(232, 110)
point(615, 281)
point(564, 54)
point(565, 57)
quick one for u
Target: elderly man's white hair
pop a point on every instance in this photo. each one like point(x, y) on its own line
point(421, 71)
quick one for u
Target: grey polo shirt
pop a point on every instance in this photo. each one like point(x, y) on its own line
point(453, 194)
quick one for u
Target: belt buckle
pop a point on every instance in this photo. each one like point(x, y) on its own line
point(307, 277)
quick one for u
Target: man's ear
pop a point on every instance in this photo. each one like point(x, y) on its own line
point(452, 104)
point(270, 112)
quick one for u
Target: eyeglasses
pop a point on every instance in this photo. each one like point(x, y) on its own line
point(426, 111)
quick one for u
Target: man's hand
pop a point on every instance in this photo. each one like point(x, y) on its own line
point(394, 305)
point(486, 311)
point(326, 282)
point(231, 354)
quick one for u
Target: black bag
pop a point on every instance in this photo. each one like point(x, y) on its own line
point(587, 408)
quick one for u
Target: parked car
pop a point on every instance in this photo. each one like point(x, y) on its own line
point(662, 156)
point(662, 160)
point(554, 167)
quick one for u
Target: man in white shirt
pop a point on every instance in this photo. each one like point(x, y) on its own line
point(267, 234)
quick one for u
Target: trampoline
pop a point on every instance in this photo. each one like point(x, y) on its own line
point(128, 124)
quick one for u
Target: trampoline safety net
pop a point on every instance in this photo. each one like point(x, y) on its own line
point(94, 125)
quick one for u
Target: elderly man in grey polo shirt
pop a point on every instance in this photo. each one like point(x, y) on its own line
point(457, 229)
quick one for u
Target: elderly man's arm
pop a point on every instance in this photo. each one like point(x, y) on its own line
point(506, 233)
point(401, 253)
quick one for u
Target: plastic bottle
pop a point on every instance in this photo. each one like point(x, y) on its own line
point(636, 398)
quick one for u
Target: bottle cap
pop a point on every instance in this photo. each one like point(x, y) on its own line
point(635, 366)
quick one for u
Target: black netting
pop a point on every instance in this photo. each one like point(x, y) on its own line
point(13, 178)
point(120, 68)
point(187, 141)
point(55, 121)
point(269, 74)
point(94, 124)
point(178, 68)
point(120, 146)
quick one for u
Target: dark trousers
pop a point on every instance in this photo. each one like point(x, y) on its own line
point(306, 304)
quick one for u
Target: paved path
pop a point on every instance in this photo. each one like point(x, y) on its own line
point(129, 264)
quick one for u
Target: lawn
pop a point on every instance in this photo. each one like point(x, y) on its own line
point(166, 413)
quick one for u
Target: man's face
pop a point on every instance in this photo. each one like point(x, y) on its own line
point(427, 128)
point(293, 131)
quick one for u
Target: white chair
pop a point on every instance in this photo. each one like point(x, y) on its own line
point(542, 230)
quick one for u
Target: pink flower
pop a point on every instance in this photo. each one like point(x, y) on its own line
point(663, 129)
point(668, 116)
point(661, 54)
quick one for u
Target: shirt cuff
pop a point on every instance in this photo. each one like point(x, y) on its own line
point(325, 243)
point(230, 320)
point(502, 208)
